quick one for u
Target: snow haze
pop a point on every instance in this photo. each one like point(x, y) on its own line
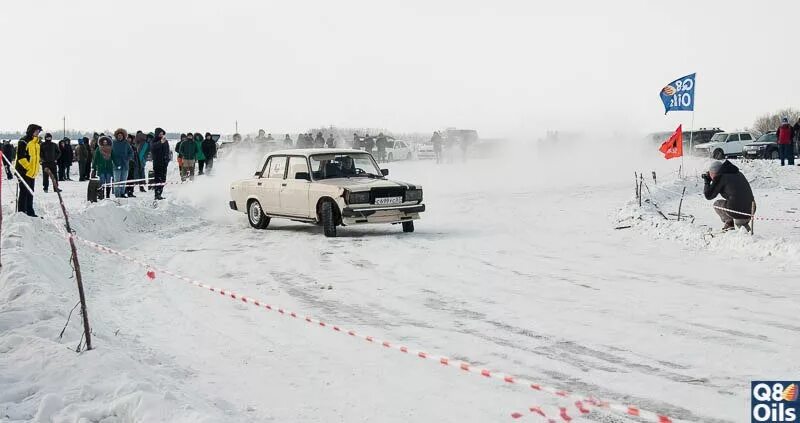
point(504, 68)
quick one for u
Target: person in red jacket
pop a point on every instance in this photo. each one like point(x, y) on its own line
point(785, 135)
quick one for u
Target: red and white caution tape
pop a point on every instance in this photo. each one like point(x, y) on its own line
point(555, 414)
point(756, 217)
point(444, 361)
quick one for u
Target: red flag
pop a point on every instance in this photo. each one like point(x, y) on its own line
point(673, 147)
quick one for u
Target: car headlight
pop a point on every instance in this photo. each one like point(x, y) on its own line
point(414, 195)
point(357, 197)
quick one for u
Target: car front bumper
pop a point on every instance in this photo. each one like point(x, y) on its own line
point(354, 215)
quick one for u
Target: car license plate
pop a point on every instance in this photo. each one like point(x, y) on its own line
point(387, 201)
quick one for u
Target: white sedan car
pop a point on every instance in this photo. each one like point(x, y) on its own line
point(328, 187)
point(397, 150)
point(725, 144)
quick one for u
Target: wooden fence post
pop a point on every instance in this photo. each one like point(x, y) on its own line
point(86, 330)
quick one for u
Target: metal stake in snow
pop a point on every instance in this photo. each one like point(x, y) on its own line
point(86, 331)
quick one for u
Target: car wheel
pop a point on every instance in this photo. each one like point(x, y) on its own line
point(408, 226)
point(256, 216)
point(775, 155)
point(718, 154)
point(328, 219)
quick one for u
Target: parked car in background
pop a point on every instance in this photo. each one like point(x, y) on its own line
point(397, 150)
point(725, 144)
point(328, 187)
point(700, 136)
point(425, 152)
point(765, 147)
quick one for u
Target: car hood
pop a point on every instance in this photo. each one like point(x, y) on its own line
point(708, 145)
point(365, 184)
point(759, 143)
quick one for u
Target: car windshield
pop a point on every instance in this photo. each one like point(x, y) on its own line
point(348, 165)
point(719, 137)
point(768, 138)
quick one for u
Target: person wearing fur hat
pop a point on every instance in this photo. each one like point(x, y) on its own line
point(121, 156)
point(102, 162)
point(50, 155)
point(725, 180)
point(27, 167)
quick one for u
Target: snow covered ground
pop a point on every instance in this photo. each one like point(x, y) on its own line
point(516, 266)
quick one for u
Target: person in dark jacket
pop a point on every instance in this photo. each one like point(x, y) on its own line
point(785, 134)
point(8, 153)
point(64, 159)
point(356, 142)
point(82, 154)
point(160, 151)
point(133, 168)
point(122, 155)
point(330, 142)
point(103, 163)
point(738, 205)
point(90, 171)
point(50, 154)
point(381, 144)
point(69, 159)
point(287, 141)
point(210, 151)
point(187, 151)
point(319, 141)
point(369, 143)
point(436, 141)
point(27, 167)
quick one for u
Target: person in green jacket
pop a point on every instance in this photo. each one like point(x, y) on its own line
point(201, 157)
point(188, 153)
point(102, 162)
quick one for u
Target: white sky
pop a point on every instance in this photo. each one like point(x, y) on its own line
point(502, 67)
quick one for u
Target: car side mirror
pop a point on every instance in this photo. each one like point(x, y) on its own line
point(385, 172)
point(302, 175)
point(258, 174)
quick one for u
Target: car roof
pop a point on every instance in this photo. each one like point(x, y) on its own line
point(312, 151)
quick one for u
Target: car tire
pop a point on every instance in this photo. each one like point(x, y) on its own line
point(256, 216)
point(775, 155)
point(328, 219)
point(718, 154)
point(408, 227)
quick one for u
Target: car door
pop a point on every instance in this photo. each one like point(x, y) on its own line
point(294, 192)
point(732, 144)
point(268, 186)
point(403, 152)
point(744, 139)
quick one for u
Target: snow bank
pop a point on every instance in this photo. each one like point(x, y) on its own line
point(43, 379)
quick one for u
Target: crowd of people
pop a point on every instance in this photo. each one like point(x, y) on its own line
point(118, 162)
